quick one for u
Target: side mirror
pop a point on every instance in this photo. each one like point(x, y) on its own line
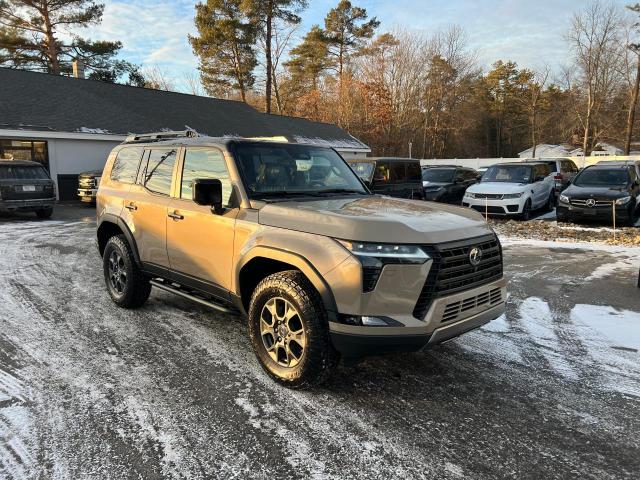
point(208, 191)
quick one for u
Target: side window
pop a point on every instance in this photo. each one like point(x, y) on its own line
point(382, 174)
point(569, 166)
point(470, 175)
point(460, 176)
point(159, 171)
point(125, 166)
point(398, 172)
point(201, 163)
point(414, 172)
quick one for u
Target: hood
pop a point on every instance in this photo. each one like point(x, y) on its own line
point(377, 219)
point(427, 184)
point(581, 193)
point(498, 187)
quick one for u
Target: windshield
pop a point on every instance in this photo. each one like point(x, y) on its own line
point(363, 169)
point(508, 174)
point(22, 173)
point(602, 178)
point(270, 170)
point(438, 175)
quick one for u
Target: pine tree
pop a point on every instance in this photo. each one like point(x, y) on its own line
point(263, 14)
point(30, 39)
point(347, 30)
point(225, 46)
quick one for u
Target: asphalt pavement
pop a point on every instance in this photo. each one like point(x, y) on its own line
point(88, 390)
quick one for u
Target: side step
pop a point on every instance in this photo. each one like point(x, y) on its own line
point(194, 297)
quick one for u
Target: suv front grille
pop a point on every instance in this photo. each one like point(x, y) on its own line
point(489, 196)
point(583, 203)
point(452, 271)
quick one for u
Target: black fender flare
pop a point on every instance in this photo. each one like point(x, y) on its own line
point(121, 224)
point(299, 262)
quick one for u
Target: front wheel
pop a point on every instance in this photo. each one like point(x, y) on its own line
point(526, 211)
point(289, 331)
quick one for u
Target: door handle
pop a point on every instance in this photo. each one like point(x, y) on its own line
point(176, 216)
point(131, 206)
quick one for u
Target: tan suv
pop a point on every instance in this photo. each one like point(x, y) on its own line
point(289, 236)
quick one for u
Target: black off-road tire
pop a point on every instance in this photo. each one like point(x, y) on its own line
point(320, 358)
point(44, 213)
point(136, 288)
point(526, 211)
point(551, 203)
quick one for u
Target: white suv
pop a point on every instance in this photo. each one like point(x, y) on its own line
point(513, 189)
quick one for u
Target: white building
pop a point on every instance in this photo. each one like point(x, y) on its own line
point(70, 125)
point(545, 150)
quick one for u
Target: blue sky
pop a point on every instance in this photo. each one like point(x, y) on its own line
point(154, 32)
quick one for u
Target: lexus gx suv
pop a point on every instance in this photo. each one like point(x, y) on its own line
point(288, 236)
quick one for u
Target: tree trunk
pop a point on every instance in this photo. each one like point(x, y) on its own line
point(587, 124)
point(268, 55)
point(276, 92)
point(52, 49)
point(534, 141)
point(631, 119)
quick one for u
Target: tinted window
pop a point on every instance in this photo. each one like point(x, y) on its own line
point(438, 175)
point(159, 171)
point(382, 174)
point(22, 173)
point(363, 169)
point(541, 171)
point(596, 177)
point(414, 172)
point(553, 166)
point(125, 167)
point(470, 175)
point(398, 172)
point(204, 164)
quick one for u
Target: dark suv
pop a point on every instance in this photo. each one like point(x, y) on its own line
point(447, 184)
point(395, 177)
point(597, 191)
point(26, 186)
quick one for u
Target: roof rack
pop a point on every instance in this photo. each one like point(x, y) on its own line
point(159, 136)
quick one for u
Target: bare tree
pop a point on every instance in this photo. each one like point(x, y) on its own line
point(537, 85)
point(158, 79)
point(594, 36)
point(193, 84)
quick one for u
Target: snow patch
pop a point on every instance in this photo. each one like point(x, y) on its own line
point(97, 131)
point(619, 328)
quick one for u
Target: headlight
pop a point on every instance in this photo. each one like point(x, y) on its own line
point(512, 195)
point(623, 200)
point(564, 199)
point(470, 195)
point(386, 253)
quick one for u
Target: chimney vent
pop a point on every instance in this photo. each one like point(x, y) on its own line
point(78, 68)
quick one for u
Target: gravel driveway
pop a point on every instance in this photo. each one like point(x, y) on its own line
point(88, 390)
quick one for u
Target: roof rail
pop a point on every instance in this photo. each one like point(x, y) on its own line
point(159, 136)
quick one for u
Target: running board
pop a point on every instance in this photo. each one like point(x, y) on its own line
point(189, 296)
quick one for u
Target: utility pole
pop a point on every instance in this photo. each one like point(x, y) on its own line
point(410, 148)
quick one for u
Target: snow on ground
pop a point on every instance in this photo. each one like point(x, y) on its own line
point(549, 390)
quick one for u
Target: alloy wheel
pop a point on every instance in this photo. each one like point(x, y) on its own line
point(282, 332)
point(117, 272)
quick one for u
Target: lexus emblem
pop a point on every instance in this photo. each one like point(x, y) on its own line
point(590, 203)
point(475, 256)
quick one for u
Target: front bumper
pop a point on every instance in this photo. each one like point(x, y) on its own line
point(434, 196)
point(31, 204)
point(504, 207)
point(87, 195)
point(604, 213)
point(447, 318)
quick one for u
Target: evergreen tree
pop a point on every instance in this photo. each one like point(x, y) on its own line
point(225, 46)
point(263, 14)
point(347, 30)
point(29, 39)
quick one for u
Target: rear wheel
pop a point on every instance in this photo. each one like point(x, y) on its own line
point(289, 331)
point(44, 213)
point(127, 285)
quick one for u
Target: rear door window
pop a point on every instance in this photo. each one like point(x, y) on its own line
point(398, 172)
point(125, 166)
point(158, 172)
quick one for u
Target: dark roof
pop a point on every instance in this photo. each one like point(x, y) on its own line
point(19, 163)
point(38, 101)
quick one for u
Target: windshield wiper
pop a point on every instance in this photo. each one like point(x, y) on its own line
point(340, 190)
